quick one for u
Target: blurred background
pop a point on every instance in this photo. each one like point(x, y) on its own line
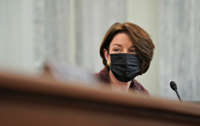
point(70, 32)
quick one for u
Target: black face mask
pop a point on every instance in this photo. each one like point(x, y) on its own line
point(124, 66)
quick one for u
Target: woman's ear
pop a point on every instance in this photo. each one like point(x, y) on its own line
point(106, 53)
point(107, 57)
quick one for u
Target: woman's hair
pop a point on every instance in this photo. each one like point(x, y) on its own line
point(140, 38)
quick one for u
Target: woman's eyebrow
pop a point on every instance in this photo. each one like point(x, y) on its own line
point(117, 45)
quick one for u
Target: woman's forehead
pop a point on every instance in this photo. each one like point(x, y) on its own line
point(122, 39)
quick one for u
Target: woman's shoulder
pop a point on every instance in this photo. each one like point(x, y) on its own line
point(135, 85)
point(103, 75)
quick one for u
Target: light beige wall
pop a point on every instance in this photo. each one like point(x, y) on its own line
point(145, 13)
point(16, 50)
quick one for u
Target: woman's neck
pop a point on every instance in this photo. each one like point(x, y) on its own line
point(116, 84)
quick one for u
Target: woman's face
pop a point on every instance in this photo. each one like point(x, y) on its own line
point(121, 43)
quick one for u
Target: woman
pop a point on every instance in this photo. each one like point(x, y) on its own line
point(126, 51)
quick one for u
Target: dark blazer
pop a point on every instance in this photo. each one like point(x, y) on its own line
point(103, 76)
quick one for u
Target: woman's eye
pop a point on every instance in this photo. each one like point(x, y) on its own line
point(132, 51)
point(116, 50)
